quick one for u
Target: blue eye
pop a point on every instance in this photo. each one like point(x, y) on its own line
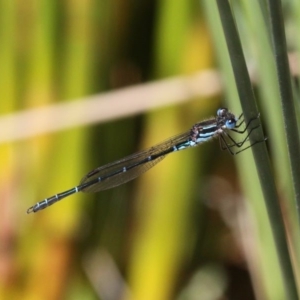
point(221, 111)
point(230, 124)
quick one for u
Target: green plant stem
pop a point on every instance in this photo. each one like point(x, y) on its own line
point(286, 94)
point(259, 151)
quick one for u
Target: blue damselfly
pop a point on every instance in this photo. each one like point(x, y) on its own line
point(130, 167)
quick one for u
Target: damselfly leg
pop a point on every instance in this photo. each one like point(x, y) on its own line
point(247, 126)
point(225, 136)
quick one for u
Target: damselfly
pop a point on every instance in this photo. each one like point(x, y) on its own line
point(128, 168)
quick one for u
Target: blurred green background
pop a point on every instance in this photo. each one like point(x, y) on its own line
point(187, 229)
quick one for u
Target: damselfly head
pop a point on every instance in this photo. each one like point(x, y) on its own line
point(226, 119)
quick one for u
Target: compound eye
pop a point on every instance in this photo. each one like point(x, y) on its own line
point(221, 111)
point(230, 124)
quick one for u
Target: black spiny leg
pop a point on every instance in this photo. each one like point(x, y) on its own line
point(227, 146)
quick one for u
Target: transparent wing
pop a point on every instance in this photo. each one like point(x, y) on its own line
point(136, 164)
